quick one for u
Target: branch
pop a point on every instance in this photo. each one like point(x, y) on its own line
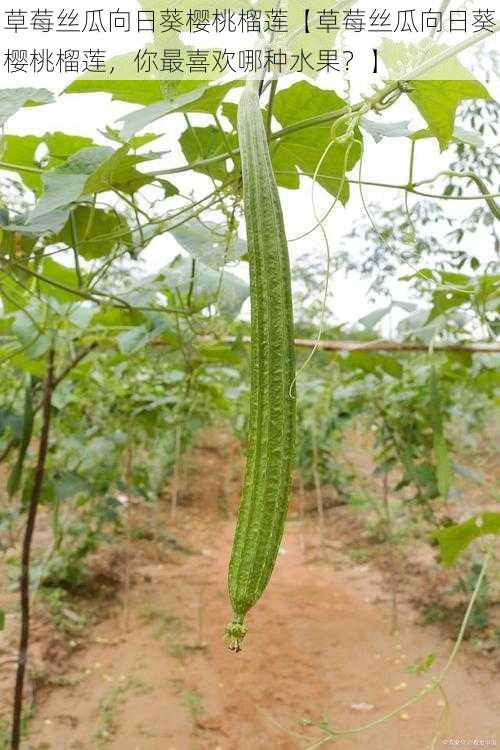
point(26, 556)
point(71, 366)
point(378, 345)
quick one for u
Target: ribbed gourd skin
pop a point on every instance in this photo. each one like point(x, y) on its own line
point(271, 433)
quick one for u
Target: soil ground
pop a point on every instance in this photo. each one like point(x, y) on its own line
point(155, 674)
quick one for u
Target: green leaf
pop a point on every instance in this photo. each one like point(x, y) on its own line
point(444, 300)
point(34, 343)
point(67, 183)
point(199, 143)
point(444, 471)
point(112, 317)
point(12, 100)
point(220, 353)
point(62, 277)
point(135, 92)
point(207, 287)
point(20, 151)
point(12, 294)
point(459, 134)
point(141, 118)
point(371, 362)
point(453, 540)
point(13, 424)
point(131, 341)
point(119, 172)
point(98, 231)
point(209, 243)
point(438, 97)
point(304, 148)
point(63, 145)
point(35, 367)
point(67, 484)
point(230, 110)
point(370, 321)
point(211, 98)
point(48, 223)
point(422, 666)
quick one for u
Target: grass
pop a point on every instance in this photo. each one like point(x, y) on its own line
point(193, 701)
point(110, 709)
point(168, 628)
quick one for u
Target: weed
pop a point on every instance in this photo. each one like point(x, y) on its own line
point(359, 556)
point(193, 701)
point(110, 707)
point(168, 628)
point(433, 613)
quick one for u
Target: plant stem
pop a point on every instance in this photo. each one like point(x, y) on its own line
point(76, 256)
point(21, 168)
point(26, 556)
point(269, 122)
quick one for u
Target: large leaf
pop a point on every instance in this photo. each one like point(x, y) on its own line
point(199, 143)
point(67, 183)
point(136, 92)
point(209, 242)
point(202, 99)
point(31, 226)
point(35, 367)
point(211, 98)
point(20, 151)
point(141, 118)
point(60, 280)
point(304, 148)
point(119, 172)
point(91, 170)
point(34, 342)
point(12, 100)
point(95, 232)
point(12, 294)
point(438, 97)
point(67, 484)
point(136, 338)
point(453, 540)
point(207, 286)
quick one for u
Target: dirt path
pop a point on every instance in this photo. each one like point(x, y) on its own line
point(155, 674)
point(318, 645)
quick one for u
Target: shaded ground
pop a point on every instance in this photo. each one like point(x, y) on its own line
point(155, 674)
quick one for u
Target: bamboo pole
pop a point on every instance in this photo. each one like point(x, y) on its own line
point(377, 345)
